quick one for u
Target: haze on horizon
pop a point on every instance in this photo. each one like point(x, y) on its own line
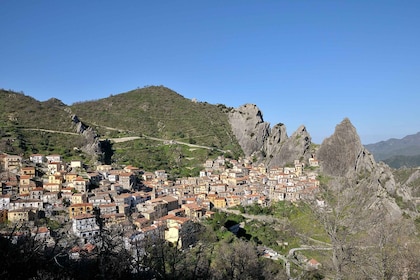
point(300, 62)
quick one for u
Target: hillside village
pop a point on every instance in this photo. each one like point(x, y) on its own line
point(145, 203)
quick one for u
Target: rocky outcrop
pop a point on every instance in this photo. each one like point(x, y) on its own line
point(91, 143)
point(297, 146)
point(343, 154)
point(271, 146)
point(277, 137)
point(249, 128)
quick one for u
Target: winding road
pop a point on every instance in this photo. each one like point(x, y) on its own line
point(290, 256)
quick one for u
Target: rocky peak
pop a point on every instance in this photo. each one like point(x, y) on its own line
point(287, 150)
point(278, 136)
point(249, 128)
point(342, 154)
point(343, 157)
point(271, 146)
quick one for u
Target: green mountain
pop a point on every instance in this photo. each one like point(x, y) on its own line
point(170, 129)
point(166, 130)
point(25, 122)
point(158, 112)
point(398, 152)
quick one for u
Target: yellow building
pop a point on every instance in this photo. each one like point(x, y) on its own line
point(179, 231)
point(80, 209)
point(55, 178)
point(52, 187)
point(25, 180)
point(220, 202)
point(70, 177)
point(78, 198)
point(21, 215)
point(28, 170)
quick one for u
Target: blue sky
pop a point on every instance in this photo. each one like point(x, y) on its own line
point(301, 62)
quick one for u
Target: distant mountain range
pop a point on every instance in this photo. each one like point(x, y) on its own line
point(398, 153)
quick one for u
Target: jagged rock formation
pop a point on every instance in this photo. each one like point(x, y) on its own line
point(297, 146)
point(92, 144)
point(277, 137)
point(249, 128)
point(342, 154)
point(271, 146)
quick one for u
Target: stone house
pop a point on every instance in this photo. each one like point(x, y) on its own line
point(127, 180)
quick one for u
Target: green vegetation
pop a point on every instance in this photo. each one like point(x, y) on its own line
point(323, 179)
point(400, 161)
point(160, 112)
point(294, 223)
point(177, 159)
point(417, 223)
point(28, 126)
point(24, 122)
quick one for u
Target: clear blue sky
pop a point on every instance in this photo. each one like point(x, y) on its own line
point(301, 62)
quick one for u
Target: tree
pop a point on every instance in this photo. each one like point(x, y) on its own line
point(343, 219)
point(236, 260)
point(391, 250)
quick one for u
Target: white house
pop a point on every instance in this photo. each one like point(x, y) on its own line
point(4, 202)
point(85, 227)
point(53, 158)
point(36, 158)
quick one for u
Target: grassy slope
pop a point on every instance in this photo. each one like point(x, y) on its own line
point(151, 111)
point(20, 110)
point(20, 113)
point(159, 112)
point(162, 113)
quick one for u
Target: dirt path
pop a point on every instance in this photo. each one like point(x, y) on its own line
point(51, 131)
point(171, 142)
point(131, 138)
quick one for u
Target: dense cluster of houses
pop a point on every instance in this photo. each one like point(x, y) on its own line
point(47, 187)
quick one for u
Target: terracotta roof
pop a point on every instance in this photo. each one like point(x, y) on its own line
point(83, 216)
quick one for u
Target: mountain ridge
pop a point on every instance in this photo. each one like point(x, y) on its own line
point(398, 152)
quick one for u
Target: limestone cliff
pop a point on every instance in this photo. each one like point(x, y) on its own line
point(271, 146)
